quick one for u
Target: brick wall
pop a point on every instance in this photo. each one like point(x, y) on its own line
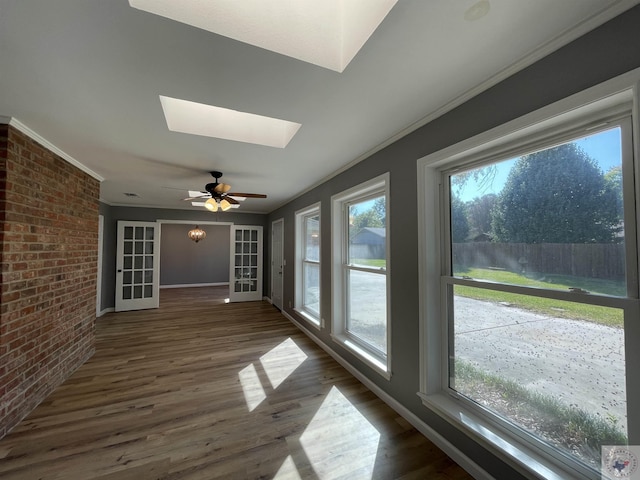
point(48, 260)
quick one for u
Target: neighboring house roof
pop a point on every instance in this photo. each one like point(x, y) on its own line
point(370, 236)
point(379, 231)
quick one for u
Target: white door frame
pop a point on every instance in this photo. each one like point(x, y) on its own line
point(194, 223)
point(277, 264)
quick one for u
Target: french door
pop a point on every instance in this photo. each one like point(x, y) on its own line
point(137, 266)
point(245, 270)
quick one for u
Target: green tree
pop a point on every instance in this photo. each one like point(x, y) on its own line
point(373, 216)
point(380, 206)
point(479, 213)
point(557, 195)
point(459, 222)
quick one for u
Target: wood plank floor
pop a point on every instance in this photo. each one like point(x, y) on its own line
point(200, 389)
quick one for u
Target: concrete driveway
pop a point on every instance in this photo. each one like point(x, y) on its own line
point(581, 363)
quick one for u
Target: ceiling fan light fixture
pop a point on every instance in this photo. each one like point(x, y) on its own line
point(211, 205)
point(225, 205)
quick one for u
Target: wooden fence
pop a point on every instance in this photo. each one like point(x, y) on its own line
point(583, 260)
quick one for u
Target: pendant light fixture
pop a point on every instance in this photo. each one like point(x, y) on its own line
point(197, 234)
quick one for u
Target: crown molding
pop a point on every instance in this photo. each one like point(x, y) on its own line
point(50, 146)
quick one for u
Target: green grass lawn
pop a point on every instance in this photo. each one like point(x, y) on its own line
point(577, 311)
point(566, 426)
point(369, 262)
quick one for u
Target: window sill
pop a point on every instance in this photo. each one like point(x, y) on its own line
point(376, 363)
point(508, 448)
point(313, 320)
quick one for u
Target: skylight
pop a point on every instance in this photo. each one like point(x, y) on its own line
point(327, 33)
point(211, 121)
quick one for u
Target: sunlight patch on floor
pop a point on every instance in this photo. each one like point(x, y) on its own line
point(281, 361)
point(287, 471)
point(252, 387)
point(340, 441)
point(278, 363)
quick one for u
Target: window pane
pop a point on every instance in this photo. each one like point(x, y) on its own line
point(367, 307)
point(554, 368)
point(312, 238)
point(550, 219)
point(367, 233)
point(311, 287)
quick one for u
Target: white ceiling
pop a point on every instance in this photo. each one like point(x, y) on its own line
point(87, 76)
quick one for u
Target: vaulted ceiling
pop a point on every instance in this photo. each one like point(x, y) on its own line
point(87, 76)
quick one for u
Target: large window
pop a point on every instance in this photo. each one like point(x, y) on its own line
point(537, 290)
point(360, 271)
point(307, 293)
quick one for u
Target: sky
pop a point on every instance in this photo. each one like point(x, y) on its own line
point(604, 147)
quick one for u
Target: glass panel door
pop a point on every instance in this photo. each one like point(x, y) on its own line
point(137, 266)
point(246, 263)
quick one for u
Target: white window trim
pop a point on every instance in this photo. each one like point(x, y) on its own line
point(300, 216)
point(525, 132)
point(376, 186)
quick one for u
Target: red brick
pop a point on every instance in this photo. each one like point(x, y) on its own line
point(48, 263)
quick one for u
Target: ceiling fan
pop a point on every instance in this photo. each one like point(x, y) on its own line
point(218, 196)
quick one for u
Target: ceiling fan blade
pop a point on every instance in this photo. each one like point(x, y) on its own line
point(231, 200)
point(200, 197)
point(197, 193)
point(246, 195)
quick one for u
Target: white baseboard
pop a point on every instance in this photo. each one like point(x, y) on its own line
point(445, 445)
point(189, 285)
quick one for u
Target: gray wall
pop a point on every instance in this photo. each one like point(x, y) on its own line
point(600, 55)
point(107, 299)
point(114, 213)
point(182, 261)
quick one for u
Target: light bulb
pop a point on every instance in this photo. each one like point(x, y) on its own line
point(211, 205)
point(225, 205)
